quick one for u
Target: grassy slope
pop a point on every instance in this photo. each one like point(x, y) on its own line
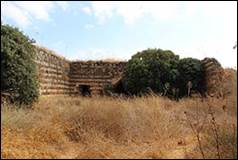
point(103, 127)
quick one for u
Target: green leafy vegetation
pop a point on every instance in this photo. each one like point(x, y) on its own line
point(162, 72)
point(191, 69)
point(18, 70)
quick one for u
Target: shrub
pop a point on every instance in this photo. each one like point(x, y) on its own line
point(191, 69)
point(151, 68)
point(18, 70)
point(136, 77)
point(108, 88)
point(163, 72)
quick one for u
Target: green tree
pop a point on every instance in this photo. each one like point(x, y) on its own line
point(163, 72)
point(137, 76)
point(151, 68)
point(18, 70)
point(190, 69)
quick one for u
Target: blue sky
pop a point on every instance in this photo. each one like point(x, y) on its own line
point(117, 30)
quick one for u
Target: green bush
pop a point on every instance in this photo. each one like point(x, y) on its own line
point(108, 88)
point(151, 68)
point(18, 70)
point(137, 76)
point(191, 69)
point(163, 72)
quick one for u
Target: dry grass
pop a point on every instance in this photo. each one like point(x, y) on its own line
point(148, 127)
point(104, 127)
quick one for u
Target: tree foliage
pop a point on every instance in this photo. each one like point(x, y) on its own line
point(151, 68)
point(191, 69)
point(161, 71)
point(18, 70)
point(137, 76)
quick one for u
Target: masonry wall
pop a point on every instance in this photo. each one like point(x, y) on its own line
point(53, 72)
point(213, 76)
point(60, 76)
point(95, 74)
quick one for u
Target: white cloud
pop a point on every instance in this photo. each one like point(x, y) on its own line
point(36, 9)
point(103, 10)
point(131, 11)
point(162, 10)
point(87, 10)
point(223, 14)
point(24, 12)
point(8, 9)
point(63, 4)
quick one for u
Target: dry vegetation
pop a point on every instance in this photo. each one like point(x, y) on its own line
point(104, 127)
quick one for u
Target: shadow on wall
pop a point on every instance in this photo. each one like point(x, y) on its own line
point(84, 90)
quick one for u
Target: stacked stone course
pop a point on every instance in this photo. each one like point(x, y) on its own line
point(53, 72)
point(58, 75)
point(214, 74)
point(95, 74)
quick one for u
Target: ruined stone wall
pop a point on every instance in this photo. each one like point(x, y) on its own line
point(213, 76)
point(53, 72)
point(60, 76)
point(95, 74)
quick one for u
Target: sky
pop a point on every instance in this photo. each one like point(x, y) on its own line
point(117, 30)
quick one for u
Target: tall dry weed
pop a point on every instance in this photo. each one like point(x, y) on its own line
point(105, 127)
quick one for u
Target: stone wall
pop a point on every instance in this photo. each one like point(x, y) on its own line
point(53, 72)
point(213, 76)
point(95, 74)
point(60, 76)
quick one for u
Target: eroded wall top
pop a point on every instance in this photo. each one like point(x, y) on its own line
point(58, 75)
